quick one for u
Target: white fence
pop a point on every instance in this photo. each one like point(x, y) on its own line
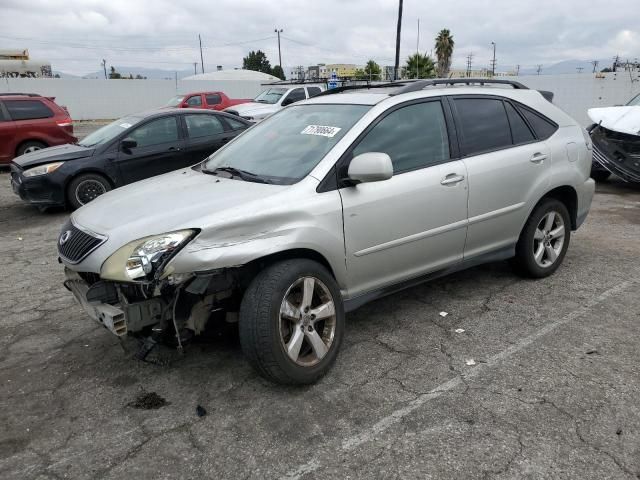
point(107, 99)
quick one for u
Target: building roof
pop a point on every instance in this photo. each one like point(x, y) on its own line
point(239, 74)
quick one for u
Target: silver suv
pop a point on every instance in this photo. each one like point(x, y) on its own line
point(328, 204)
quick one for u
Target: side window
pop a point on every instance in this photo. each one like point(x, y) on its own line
point(27, 109)
point(520, 131)
point(483, 124)
point(194, 101)
point(203, 125)
point(313, 91)
point(234, 124)
point(414, 137)
point(543, 127)
point(213, 99)
point(156, 132)
point(295, 95)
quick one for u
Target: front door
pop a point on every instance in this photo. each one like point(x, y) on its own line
point(159, 149)
point(415, 222)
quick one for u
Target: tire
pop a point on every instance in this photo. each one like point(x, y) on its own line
point(600, 175)
point(535, 235)
point(86, 187)
point(30, 146)
point(267, 326)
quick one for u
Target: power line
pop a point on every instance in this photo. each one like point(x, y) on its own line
point(469, 61)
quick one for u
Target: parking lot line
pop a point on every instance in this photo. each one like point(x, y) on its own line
point(396, 416)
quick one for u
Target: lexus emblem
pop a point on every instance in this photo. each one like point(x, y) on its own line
point(65, 237)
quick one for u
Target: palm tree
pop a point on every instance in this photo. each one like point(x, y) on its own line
point(420, 66)
point(444, 50)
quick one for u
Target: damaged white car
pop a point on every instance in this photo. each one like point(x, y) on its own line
point(329, 204)
point(616, 141)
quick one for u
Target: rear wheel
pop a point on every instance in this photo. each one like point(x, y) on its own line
point(85, 188)
point(29, 147)
point(292, 322)
point(544, 240)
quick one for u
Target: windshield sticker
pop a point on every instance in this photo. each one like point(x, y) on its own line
point(125, 125)
point(321, 130)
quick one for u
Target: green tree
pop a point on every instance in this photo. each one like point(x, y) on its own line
point(444, 51)
point(113, 74)
point(256, 61)
point(360, 74)
point(278, 72)
point(372, 70)
point(420, 66)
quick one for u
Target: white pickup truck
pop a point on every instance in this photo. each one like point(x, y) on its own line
point(272, 100)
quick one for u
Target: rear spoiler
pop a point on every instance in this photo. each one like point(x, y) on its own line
point(547, 95)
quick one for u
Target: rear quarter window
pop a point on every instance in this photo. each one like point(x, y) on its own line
point(542, 126)
point(483, 124)
point(27, 109)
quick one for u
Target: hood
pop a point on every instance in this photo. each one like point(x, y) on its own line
point(619, 119)
point(176, 200)
point(53, 154)
point(254, 109)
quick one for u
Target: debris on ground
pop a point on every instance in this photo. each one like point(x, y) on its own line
point(592, 351)
point(470, 362)
point(443, 314)
point(148, 401)
point(20, 238)
point(459, 330)
point(200, 411)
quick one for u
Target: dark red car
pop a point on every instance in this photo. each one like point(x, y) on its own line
point(30, 122)
point(207, 100)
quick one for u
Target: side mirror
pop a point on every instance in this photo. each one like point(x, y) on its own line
point(370, 167)
point(128, 144)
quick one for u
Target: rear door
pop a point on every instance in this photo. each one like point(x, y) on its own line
point(508, 169)
point(160, 149)
point(205, 134)
point(213, 101)
point(7, 136)
point(415, 222)
point(33, 120)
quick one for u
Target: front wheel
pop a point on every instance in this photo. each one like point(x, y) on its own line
point(85, 188)
point(544, 240)
point(292, 322)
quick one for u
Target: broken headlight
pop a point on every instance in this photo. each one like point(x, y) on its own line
point(141, 260)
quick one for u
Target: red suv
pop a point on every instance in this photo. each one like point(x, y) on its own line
point(29, 122)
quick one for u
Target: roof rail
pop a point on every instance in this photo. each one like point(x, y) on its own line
point(418, 85)
point(12, 94)
point(367, 86)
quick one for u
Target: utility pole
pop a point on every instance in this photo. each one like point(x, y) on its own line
point(517, 70)
point(195, 68)
point(104, 65)
point(538, 69)
point(595, 65)
point(469, 60)
point(201, 57)
point(493, 62)
point(616, 60)
point(279, 51)
point(396, 69)
point(418, 49)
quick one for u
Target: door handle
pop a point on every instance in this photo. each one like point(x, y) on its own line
point(538, 158)
point(452, 179)
point(174, 149)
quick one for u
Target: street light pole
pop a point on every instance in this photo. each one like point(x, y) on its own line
point(279, 52)
point(397, 65)
point(493, 63)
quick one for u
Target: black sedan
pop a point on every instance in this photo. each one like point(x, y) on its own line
point(125, 151)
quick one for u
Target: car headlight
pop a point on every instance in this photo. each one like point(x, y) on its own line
point(42, 169)
point(143, 259)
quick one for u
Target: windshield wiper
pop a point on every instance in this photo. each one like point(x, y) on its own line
point(236, 172)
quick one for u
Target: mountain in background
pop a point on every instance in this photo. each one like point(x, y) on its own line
point(568, 66)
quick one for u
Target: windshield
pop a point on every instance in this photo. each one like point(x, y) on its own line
point(285, 147)
point(108, 132)
point(634, 102)
point(175, 101)
point(270, 96)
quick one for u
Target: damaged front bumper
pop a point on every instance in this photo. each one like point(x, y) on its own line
point(615, 152)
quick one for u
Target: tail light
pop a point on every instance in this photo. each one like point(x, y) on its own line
point(66, 124)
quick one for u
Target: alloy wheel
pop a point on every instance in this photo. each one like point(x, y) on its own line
point(548, 239)
point(307, 321)
point(88, 190)
point(32, 148)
